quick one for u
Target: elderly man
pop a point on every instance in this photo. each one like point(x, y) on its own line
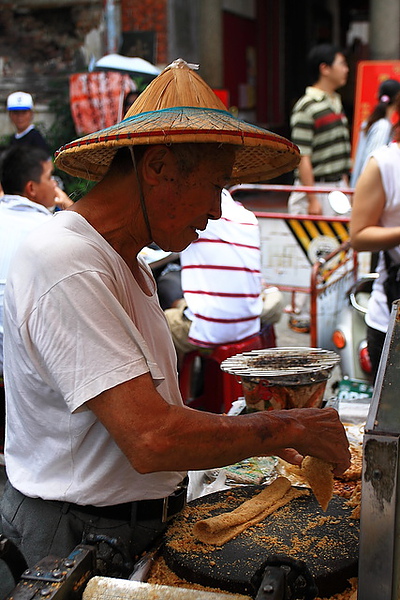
point(98, 439)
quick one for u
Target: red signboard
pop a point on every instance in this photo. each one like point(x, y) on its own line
point(370, 74)
point(96, 99)
point(223, 95)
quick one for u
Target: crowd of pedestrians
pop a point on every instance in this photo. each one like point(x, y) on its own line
point(318, 126)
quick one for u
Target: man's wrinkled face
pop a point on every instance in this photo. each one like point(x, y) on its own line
point(187, 202)
point(21, 119)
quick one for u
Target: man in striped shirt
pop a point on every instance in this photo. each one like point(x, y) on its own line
point(221, 280)
point(320, 130)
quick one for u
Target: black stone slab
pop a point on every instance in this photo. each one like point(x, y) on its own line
point(326, 542)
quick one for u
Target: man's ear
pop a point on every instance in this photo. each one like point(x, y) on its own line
point(155, 162)
point(29, 190)
point(324, 68)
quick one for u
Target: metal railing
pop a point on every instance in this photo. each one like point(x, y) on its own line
point(306, 253)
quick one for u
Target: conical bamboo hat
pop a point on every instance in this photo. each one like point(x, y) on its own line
point(178, 106)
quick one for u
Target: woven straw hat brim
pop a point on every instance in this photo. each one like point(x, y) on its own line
point(261, 155)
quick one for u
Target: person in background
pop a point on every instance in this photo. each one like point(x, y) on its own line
point(320, 130)
point(377, 130)
point(222, 297)
point(30, 193)
point(375, 227)
point(98, 440)
point(20, 111)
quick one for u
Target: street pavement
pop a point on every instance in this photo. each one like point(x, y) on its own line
point(285, 337)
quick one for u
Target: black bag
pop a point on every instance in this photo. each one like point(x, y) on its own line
point(391, 285)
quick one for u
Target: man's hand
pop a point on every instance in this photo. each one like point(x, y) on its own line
point(314, 206)
point(306, 176)
point(62, 200)
point(317, 432)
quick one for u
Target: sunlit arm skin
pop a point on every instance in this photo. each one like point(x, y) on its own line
point(156, 436)
point(368, 204)
point(306, 177)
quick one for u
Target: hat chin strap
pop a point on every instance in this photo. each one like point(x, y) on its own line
point(141, 196)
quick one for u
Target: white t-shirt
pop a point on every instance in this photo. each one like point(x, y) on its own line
point(221, 277)
point(18, 217)
point(388, 159)
point(379, 134)
point(77, 323)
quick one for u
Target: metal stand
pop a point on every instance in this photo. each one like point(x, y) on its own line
point(379, 527)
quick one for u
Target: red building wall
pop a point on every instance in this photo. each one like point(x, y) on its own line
point(147, 15)
point(253, 63)
point(239, 36)
point(271, 76)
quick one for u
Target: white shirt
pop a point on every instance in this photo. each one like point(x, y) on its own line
point(379, 134)
point(21, 134)
point(388, 159)
point(221, 277)
point(77, 323)
point(18, 216)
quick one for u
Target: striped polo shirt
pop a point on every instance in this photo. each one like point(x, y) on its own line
point(221, 277)
point(320, 130)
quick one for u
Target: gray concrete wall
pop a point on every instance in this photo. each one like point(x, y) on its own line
point(195, 33)
point(183, 30)
point(211, 43)
point(384, 29)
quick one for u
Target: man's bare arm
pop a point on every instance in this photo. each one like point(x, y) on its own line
point(62, 200)
point(306, 176)
point(368, 204)
point(156, 436)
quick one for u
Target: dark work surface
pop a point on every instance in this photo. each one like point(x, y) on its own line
point(326, 542)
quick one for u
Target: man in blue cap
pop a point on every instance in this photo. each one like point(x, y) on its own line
point(20, 110)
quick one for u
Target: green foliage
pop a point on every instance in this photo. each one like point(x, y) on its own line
point(62, 131)
point(140, 83)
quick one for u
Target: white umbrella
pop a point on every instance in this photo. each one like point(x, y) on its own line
point(135, 66)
